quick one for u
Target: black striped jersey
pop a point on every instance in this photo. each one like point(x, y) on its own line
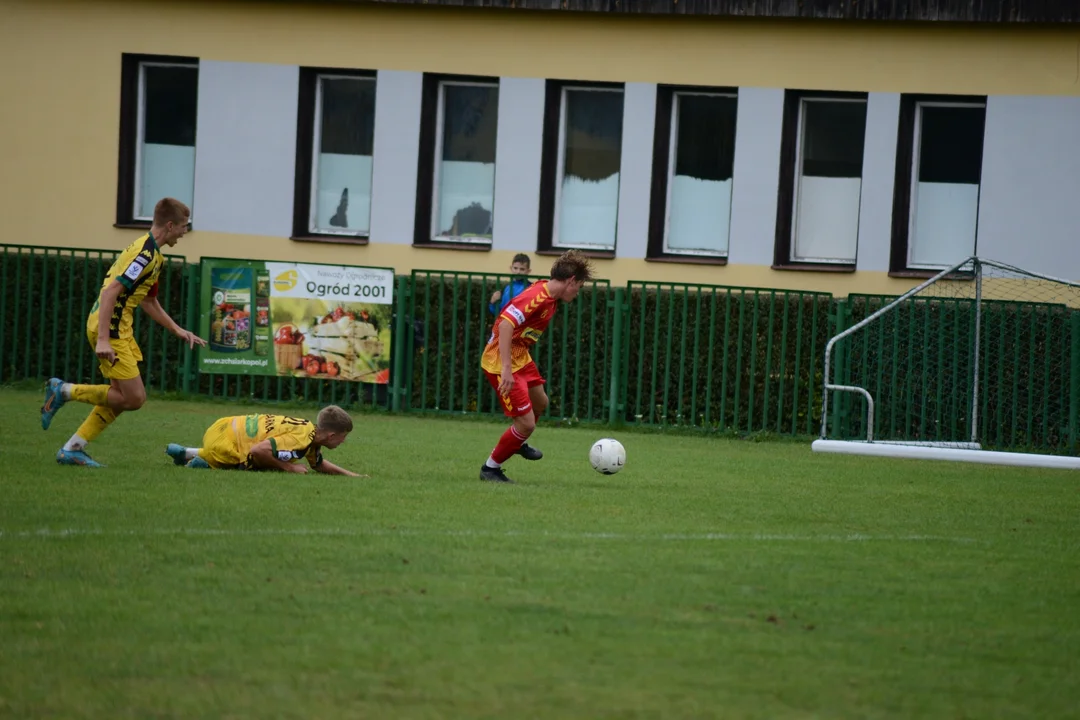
point(136, 268)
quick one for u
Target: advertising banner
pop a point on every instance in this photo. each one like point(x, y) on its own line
point(296, 320)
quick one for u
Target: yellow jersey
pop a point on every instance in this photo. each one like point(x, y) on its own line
point(137, 268)
point(291, 439)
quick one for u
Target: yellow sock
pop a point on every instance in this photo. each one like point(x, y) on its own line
point(90, 394)
point(99, 419)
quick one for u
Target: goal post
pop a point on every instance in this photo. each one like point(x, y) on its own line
point(979, 363)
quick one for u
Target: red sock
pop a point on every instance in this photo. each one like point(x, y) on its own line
point(510, 442)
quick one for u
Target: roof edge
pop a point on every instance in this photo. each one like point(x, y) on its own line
point(936, 11)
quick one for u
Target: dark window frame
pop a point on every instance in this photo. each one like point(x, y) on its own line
point(658, 197)
point(905, 161)
point(785, 195)
point(549, 163)
point(305, 151)
point(129, 133)
point(425, 168)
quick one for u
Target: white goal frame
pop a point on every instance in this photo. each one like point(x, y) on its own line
point(970, 451)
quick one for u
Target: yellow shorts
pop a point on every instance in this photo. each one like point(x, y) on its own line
point(220, 448)
point(128, 356)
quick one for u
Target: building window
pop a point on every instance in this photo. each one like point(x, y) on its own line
point(693, 159)
point(455, 199)
point(938, 171)
point(158, 104)
point(334, 144)
point(820, 179)
point(579, 186)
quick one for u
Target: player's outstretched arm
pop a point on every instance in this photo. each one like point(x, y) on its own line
point(264, 457)
point(154, 310)
point(328, 468)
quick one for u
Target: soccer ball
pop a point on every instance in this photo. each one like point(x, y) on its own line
point(607, 456)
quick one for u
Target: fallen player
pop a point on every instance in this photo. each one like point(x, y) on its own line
point(269, 442)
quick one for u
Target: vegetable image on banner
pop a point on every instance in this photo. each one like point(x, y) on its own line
point(297, 320)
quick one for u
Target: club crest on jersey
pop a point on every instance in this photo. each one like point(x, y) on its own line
point(515, 313)
point(135, 268)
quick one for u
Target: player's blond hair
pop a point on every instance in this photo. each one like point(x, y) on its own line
point(572, 264)
point(334, 419)
point(171, 210)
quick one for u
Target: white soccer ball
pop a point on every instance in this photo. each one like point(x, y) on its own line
point(607, 456)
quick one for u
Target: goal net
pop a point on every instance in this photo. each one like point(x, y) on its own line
point(979, 363)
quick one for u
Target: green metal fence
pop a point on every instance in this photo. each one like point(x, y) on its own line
point(710, 357)
point(723, 358)
point(660, 354)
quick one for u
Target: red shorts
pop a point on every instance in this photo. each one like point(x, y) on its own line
point(517, 403)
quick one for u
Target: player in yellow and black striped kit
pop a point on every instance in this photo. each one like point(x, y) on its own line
point(131, 282)
point(269, 442)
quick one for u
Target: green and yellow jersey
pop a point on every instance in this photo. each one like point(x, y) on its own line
point(137, 268)
point(228, 442)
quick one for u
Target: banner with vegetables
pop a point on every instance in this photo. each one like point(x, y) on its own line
point(296, 320)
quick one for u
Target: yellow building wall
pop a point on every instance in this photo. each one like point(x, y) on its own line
point(59, 93)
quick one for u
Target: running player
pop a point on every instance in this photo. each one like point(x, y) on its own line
point(269, 442)
point(131, 282)
point(510, 368)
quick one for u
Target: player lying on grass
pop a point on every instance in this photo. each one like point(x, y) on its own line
point(510, 368)
point(132, 281)
point(269, 442)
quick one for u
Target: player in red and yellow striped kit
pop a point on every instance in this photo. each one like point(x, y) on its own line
point(510, 368)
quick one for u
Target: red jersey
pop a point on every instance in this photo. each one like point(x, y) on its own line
point(529, 313)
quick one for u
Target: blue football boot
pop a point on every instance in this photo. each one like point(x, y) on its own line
point(177, 452)
point(76, 457)
point(54, 400)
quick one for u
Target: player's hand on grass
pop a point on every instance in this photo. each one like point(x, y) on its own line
point(190, 338)
point(298, 468)
point(104, 351)
point(506, 382)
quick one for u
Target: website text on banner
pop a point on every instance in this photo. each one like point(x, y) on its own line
point(296, 320)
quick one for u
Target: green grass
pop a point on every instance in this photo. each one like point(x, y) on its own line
point(711, 578)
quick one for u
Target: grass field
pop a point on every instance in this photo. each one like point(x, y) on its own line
point(711, 578)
